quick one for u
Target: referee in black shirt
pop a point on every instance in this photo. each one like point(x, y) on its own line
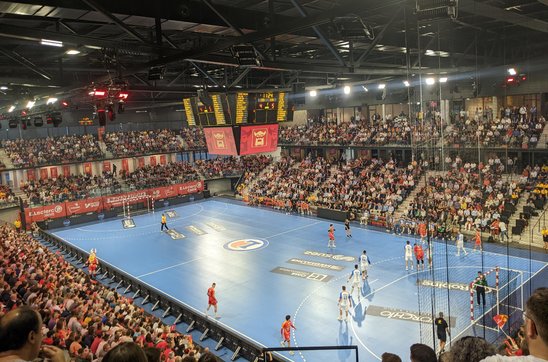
point(481, 284)
point(443, 331)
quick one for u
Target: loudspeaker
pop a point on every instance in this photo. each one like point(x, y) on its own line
point(299, 93)
point(38, 121)
point(12, 123)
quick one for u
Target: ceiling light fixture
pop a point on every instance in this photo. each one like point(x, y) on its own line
point(3, 87)
point(72, 52)
point(346, 89)
point(512, 71)
point(313, 93)
point(12, 108)
point(51, 100)
point(430, 81)
point(406, 83)
point(443, 80)
point(382, 86)
point(30, 104)
point(51, 43)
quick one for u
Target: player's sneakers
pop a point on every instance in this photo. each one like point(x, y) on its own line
point(340, 318)
point(282, 344)
point(291, 353)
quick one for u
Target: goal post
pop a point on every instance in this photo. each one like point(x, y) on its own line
point(473, 285)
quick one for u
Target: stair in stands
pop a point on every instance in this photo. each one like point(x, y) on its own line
point(103, 148)
point(4, 158)
point(402, 208)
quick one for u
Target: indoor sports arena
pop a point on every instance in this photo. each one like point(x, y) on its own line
point(274, 180)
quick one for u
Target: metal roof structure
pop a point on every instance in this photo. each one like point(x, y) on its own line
point(318, 42)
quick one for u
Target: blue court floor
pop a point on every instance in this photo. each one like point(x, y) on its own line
point(268, 264)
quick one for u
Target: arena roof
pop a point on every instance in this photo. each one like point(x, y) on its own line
point(319, 42)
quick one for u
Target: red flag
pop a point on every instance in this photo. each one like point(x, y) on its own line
point(500, 320)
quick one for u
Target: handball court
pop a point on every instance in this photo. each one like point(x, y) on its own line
point(268, 264)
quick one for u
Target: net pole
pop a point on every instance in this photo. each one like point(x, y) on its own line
point(124, 208)
point(472, 303)
point(153, 205)
point(497, 288)
point(128, 211)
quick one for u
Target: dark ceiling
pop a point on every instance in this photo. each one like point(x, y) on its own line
point(297, 40)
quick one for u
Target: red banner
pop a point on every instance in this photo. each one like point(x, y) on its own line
point(141, 162)
point(43, 173)
point(66, 171)
point(131, 197)
point(31, 175)
point(190, 187)
point(106, 166)
point(53, 172)
point(100, 133)
point(84, 206)
point(164, 192)
point(125, 164)
point(45, 212)
point(87, 168)
point(163, 159)
point(152, 161)
point(220, 141)
point(97, 204)
point(257, 139)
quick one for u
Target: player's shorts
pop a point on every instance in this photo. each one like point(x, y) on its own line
point(344, 307)
point(363, 266)
point(408, 257)
point(212, 301)
point(442, 336)
point(356, 284)
point(420, 260)
point(92, 267)
point(287, 337)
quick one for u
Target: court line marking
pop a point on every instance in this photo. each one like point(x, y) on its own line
point(294, 229)
point(172, 297)
point(169, 267)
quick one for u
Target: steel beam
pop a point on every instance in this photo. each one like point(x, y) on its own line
point(283, 27)
point(204, 73)
point(493, 12)
point(92, 4)
point(30, 34)
point(378, 38)
point(320, 34)
point(240, 77)
point(25, 63)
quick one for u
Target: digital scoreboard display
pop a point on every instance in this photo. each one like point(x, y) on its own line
point(265, 107)
point(206, 114)
point(218, 108)
point(191, 120)
point(242, 104)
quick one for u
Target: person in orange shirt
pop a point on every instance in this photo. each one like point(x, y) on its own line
point(286, 333)
point(419, 255)
point(331, 235)
point(422, 231)
point(92, 263)
point(212, 301)
point(477, 244)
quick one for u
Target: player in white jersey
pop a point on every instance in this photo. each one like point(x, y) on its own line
point(345, 303)
point(364, 264)
point(460, 244)
point(408, 255)
point(355, 276)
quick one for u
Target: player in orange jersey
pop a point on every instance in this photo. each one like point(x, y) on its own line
point(212, 301)
point(477, 244)
point(419, 255)
point(286, 333)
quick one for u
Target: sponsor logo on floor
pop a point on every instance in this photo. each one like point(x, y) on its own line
point(444, 285)
point(171, 214)
point(404, 315)
point(315, 264)
point(337, 257)
point(195, 230)
point(246, 244)
point(128, 223)
point(317, 277)
point(215, 226)
point(175, 235)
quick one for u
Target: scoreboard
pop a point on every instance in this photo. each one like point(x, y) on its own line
point(238, 109)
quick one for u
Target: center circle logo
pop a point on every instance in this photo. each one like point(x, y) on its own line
point(246, 244)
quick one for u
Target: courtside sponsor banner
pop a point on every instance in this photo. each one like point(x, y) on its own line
point(120, 199)
point(160, 193)
point(315, 264)
point(317, 277)
point(190, 187)
point(84, 206)
point(337, 257)
point(404, 315)
point(45, 212)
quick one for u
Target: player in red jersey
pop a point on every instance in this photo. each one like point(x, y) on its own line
point(331, 236)
point(286, 332)
point(477, 244)
point(419, 255)
point(212, 301)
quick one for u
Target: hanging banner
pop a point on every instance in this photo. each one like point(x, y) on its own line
point(43, 174)
point(106, 166)
point(31, 175)
point(141, 162)
point(163, 159)
point(53, 172)
point(87, 168)
point(66, 171)
point(125, 164)
point(152, 161)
